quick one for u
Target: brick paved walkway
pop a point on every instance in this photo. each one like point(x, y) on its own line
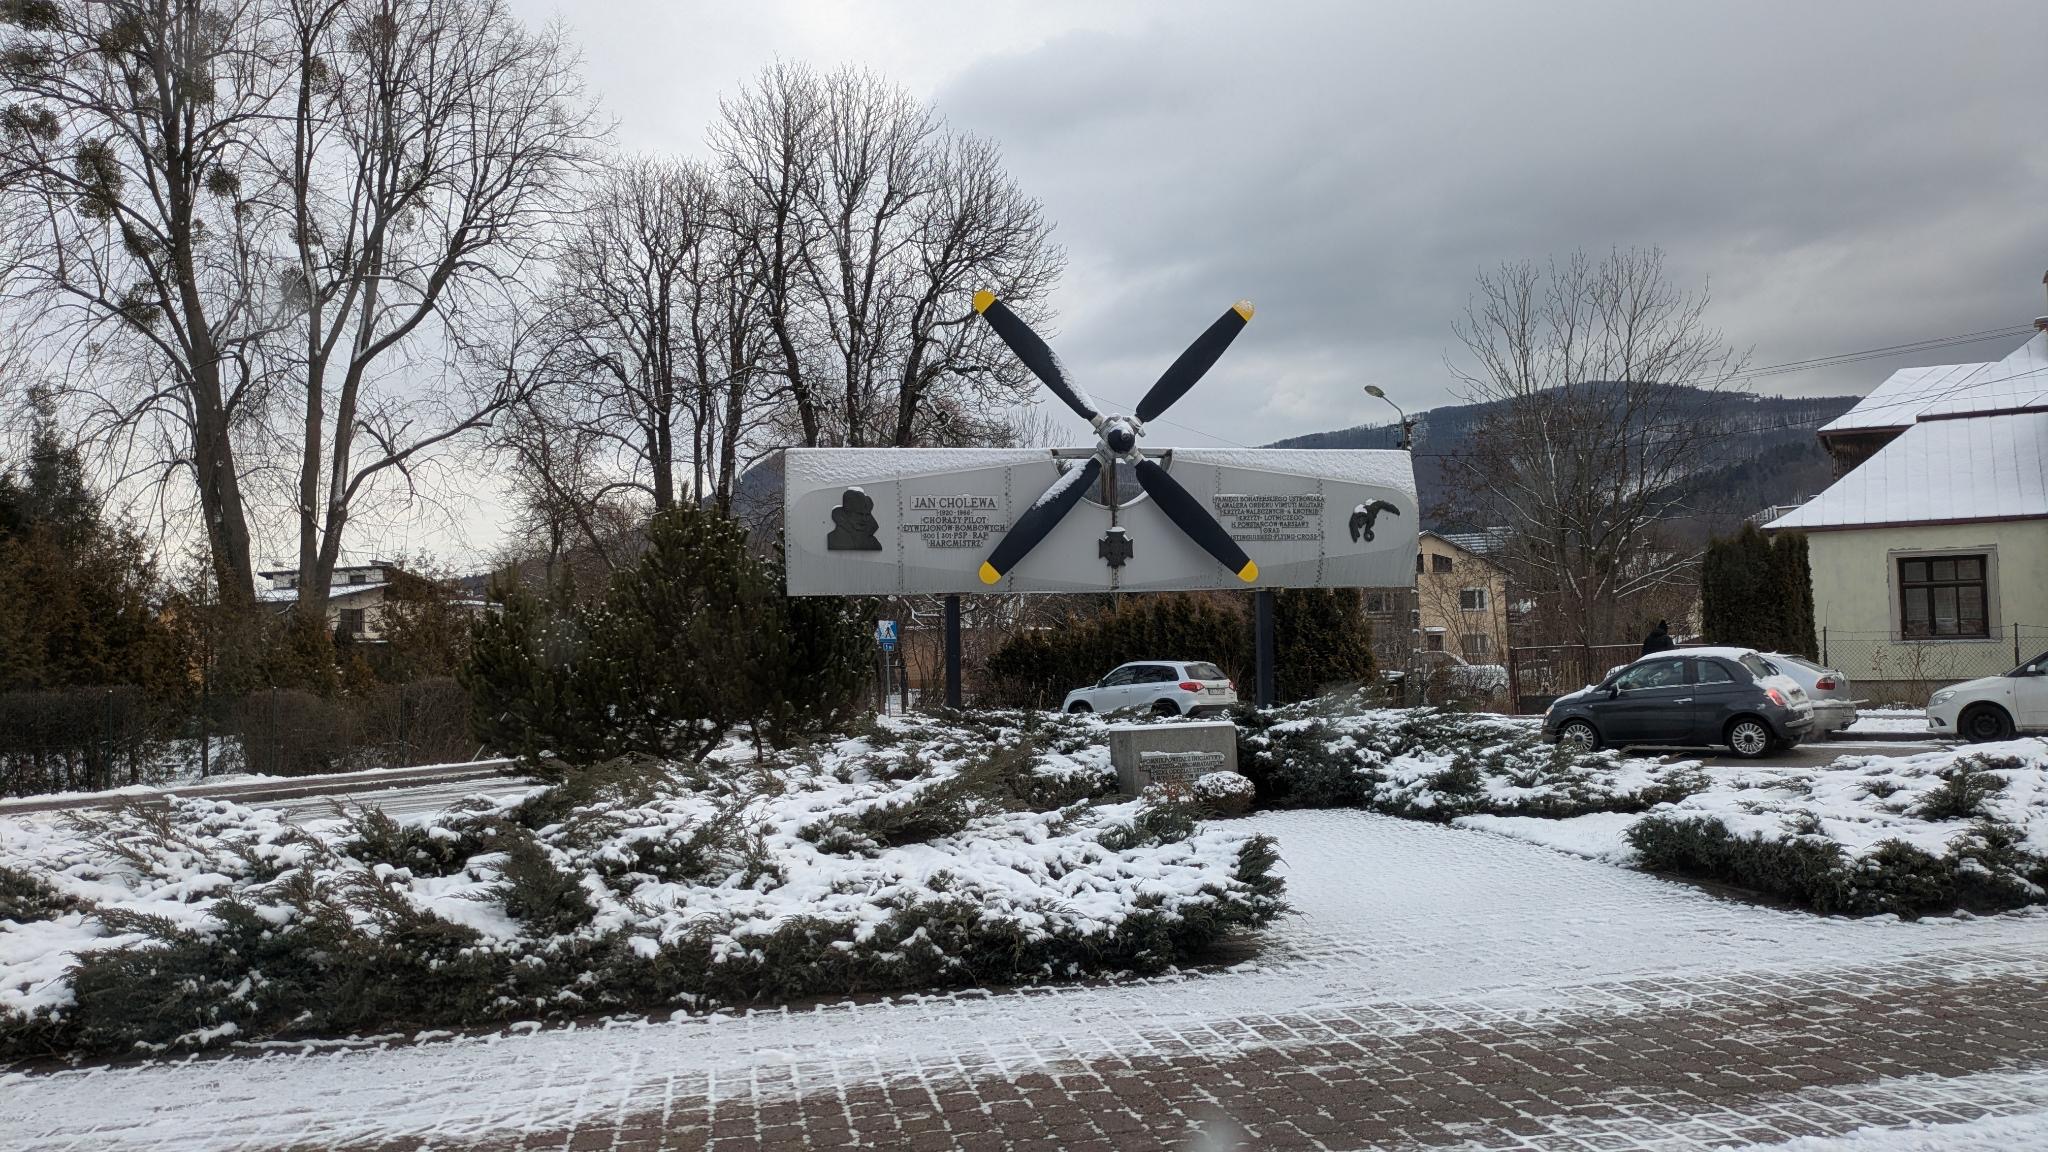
point(1742, 1061)
point(1441, 988)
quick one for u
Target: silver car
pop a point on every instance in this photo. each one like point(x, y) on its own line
point(1165, 687)
point(1834, 706)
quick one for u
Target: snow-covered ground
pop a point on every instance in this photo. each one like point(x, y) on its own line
point(1872, 721)
point(723, 870)
point(1860, 801)
point(1405, 924)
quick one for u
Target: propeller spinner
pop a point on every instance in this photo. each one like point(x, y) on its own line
point(1119, 436)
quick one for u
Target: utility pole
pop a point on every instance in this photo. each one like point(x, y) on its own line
point(1407, 425)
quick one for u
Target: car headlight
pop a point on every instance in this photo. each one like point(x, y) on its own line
point(1942, 697)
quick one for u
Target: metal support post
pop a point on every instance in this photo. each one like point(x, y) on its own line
point(952, 651)
point(1262, 641)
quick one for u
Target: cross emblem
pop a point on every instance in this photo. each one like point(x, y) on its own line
point(1114, 548)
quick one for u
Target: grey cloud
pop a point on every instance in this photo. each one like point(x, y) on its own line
point(1847, 174)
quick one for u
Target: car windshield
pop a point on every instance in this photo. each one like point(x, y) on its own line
point(2037, 666)
point(1801, 661)
point(1206, 672)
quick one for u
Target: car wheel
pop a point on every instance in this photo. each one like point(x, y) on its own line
point(1578, 736)
point(1749, 738)
point(1165, 708)
point(1079, 706)
point(1985, 722)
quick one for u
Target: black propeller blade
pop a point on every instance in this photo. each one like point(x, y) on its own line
point(1183, 509)
point(1039, 519)
point(1199, 358)
point(1036, 354)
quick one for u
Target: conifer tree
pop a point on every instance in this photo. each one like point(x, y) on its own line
point(523, 698)
point(694, 641)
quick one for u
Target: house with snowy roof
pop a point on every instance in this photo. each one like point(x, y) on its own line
point(1930, 551)
point(361, 596)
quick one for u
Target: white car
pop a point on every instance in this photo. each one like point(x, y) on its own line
point(1994, 707)
point(1166, 687)
point(1830, 691)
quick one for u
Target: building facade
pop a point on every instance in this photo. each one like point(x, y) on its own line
point(1461, 599)
point(361, 598)
point(1930, 552)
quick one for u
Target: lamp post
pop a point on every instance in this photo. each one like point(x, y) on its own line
point(1407, 425)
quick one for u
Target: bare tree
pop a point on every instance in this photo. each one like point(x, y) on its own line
point(976, 230)
point(876, 225)
point(874, 168)
point(1599, 375)
point(767, 140)
point(563, 501)
point(623, 307)
point(429, 141)
point(129, 131)
point(731, 345)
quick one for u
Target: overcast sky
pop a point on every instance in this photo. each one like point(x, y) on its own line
point(1848, 175)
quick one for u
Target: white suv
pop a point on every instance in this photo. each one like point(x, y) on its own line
point(1995, 707)
point(1167, 687)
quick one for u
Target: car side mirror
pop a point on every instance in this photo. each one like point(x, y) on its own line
point(1613, 690)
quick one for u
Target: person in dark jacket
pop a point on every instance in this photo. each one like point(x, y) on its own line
point(1659, 639)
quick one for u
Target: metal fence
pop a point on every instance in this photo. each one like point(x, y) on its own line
point(1888, 670)
point(1538, 674)
point(1882, 668)
point(87, 739)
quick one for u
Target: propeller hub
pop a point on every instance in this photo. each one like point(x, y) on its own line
point(1120, 435)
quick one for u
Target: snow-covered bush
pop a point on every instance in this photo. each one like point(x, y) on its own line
point(1873, 834)
point(25, 896)
point(1225, 793)
point(922, 854)
point(1430, 764)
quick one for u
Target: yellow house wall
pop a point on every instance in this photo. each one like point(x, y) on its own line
point(1436, 597)
point(1855, 595)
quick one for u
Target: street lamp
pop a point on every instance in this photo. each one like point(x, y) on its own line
point(1407, 425)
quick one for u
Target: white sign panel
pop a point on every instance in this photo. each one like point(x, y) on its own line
point(880, 521)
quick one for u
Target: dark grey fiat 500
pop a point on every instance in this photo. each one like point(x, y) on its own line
point(1685, 697)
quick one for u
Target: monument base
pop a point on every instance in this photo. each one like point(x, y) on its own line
point(1174, 754)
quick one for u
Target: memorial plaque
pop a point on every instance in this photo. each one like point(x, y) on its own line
point(1182, 768)
point(1178, 753)
point(1271, 518)
point(883, 521)
point(959, 521)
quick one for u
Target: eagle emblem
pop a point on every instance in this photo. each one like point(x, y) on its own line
point(1364, 515)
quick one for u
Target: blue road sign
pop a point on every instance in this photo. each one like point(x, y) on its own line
point(885, 634)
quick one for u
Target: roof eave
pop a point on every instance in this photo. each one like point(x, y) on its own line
point(1872, 526)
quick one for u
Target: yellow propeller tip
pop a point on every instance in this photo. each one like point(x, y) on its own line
point(1249, 572)
point(982, 300)
point(1244, 309)
point(989, 575)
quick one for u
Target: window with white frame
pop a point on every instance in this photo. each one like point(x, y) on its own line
point(1477, 645)
point(1472, 600)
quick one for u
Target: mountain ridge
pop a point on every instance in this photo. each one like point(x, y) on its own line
point(1770, 455)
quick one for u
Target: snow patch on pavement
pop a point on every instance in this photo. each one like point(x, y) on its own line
point(1596, 835)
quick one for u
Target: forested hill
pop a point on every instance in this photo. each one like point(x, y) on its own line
point(1770, 454)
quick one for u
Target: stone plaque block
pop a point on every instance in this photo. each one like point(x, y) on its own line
point(1170, 753)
